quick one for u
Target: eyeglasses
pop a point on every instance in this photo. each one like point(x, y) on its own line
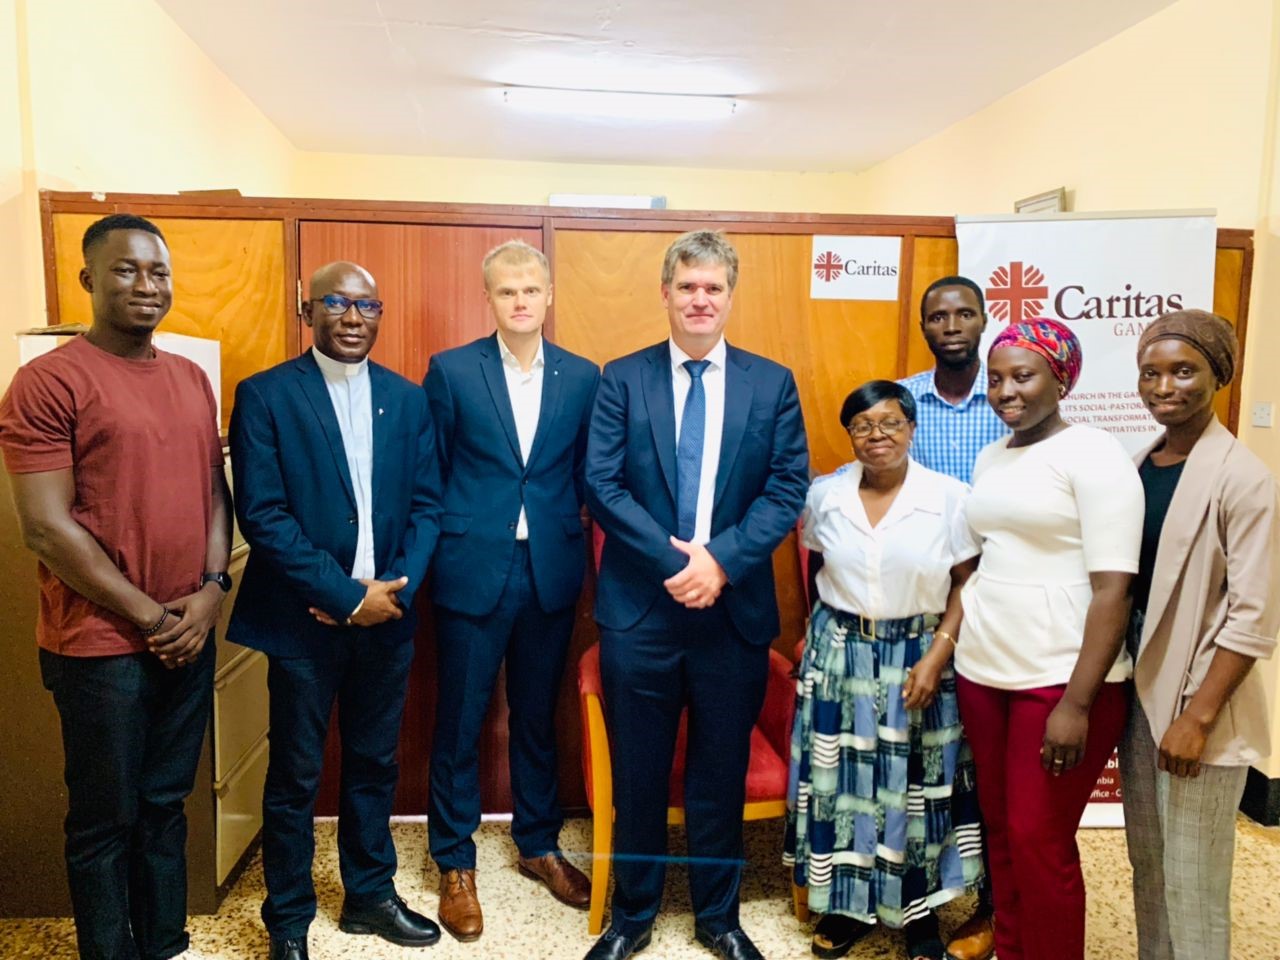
point(890, 428)
point(336, 306)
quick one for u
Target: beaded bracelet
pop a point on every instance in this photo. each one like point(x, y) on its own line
point(152, 630)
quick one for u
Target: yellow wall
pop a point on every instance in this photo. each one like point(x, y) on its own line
point(458, 180)
point(123, 100)
point(19, 217)
point(1264, 328)
point(1167, 114)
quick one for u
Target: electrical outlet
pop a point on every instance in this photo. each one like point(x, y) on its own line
point(1262, 414)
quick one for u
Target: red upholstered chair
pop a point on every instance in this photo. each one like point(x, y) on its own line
point(766, 775)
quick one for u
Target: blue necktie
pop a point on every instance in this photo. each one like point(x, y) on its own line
point(693, 428)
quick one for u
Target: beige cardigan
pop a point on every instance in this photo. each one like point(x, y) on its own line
point(1215, 584)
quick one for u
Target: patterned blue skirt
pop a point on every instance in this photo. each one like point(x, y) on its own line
point(882, 820)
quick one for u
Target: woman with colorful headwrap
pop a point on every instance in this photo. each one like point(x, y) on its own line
point(1040, 657)
point(1202, 616)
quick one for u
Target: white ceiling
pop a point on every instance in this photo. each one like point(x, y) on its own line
point(835, 85)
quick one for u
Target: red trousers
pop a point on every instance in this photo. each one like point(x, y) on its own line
point(1032, 816)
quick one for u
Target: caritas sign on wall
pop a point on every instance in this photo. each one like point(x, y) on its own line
point(855, 268)
point(1105, 276)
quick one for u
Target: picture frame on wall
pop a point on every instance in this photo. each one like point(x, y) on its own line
point(1051, 201)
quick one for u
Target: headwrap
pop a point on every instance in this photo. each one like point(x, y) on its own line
point(1052, 340)
point(1205, 331)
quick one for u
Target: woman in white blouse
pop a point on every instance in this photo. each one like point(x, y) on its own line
point(882, 825)
point(1040, 660)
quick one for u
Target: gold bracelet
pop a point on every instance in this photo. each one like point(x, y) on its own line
point(945, 636)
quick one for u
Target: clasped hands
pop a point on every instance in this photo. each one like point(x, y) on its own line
point(379, 605)
point(187, 627)
point(698, 585)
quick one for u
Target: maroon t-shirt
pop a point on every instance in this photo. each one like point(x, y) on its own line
point(141, 440)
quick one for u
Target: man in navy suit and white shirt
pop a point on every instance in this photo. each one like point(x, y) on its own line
point(333, 458)
point(697, 468)
point(511, 413)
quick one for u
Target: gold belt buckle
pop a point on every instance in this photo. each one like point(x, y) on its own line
point(867, 625)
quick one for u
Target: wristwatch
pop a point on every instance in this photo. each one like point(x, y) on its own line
point(222, 579)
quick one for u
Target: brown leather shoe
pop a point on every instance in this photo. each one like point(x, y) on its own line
point(459, 906)
point(975, 939)
point(565, 881)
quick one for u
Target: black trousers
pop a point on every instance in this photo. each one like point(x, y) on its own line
point(672, 659)
point(471, 650)
point(369, 680)
point(132, 731)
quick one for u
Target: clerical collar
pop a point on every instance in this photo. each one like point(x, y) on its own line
point(336, 369)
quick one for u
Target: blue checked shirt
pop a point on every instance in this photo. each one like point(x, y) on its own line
point(949, 437)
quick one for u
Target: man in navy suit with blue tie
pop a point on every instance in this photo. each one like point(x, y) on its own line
point(334, 462)
point(697, 468)
point(511, 413)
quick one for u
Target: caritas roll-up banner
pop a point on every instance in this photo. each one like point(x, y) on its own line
point(1106, 276)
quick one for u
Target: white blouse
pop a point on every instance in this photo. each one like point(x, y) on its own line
point(902, 566)
point(1048, 515)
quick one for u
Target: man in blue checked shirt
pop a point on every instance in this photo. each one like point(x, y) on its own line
point(954, 419)
point(953, 423)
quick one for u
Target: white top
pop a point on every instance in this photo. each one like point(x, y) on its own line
point(902, 566)
point(525, 392)
point(1048, 515)
point(348, 385)
point(713, 390)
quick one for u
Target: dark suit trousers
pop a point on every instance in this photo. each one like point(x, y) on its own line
point(369, 680)
point(132, 731)
point(471, 650)
point(672, 658)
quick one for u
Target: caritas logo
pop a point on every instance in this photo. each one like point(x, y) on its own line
point(829, 267)
point(1018, 291)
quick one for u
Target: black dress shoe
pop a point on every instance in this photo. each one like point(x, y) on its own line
point(617, 946)
point(295, 949)
point(392, 920)
point(733, 945)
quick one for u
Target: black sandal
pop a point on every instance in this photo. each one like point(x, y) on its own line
point(835, 935)
point(927, 950)
point(923, 939)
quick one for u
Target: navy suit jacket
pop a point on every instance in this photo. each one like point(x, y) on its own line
point(761, 481)
point(485, 480)
point(297, 507)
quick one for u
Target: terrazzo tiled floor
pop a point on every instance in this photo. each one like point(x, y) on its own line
point(523, 921)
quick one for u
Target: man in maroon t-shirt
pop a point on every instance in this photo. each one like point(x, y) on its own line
point(117, 474)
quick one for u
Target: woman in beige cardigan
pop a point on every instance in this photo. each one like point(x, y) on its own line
point(1202, 616)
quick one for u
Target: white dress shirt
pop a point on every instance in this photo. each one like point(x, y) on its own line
point(713, 390)
point(901, 567)
point(525, 392)
point(348, 385)
point(1049, 515)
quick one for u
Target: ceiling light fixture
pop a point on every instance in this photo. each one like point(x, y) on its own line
point(621, 104)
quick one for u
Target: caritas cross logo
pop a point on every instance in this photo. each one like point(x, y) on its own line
point(828, 266)
point(1017, 293)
